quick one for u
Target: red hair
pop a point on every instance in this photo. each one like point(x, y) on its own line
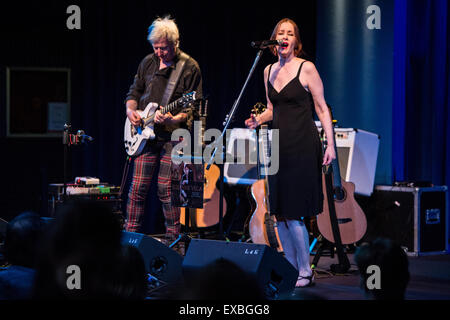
point(298, 50)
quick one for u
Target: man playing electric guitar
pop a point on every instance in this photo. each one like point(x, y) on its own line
point(153, 83)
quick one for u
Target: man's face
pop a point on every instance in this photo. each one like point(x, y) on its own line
point(164, 50)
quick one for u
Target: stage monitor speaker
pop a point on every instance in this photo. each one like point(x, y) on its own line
point(242, 146)
point(160, 261)
point(272, 271)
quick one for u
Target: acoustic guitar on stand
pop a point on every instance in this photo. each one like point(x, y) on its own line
point(351, 220)
point(262, 226)
point(207, 216)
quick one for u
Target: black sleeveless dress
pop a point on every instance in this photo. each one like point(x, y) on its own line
point(296, 190)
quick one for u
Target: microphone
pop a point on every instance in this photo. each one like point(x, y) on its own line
point(84, 138)
point(266, 43)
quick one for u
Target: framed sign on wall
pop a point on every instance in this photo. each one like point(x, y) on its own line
point(37, 101)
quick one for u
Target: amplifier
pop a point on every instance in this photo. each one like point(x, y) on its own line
point(242, 146)
point(357, 153)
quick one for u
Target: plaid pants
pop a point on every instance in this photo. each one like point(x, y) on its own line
point(144, 167)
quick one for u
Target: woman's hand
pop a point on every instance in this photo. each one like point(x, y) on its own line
point(251, 122)
point(330, 155)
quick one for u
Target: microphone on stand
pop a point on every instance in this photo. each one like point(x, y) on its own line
point(83, 138)
point(266, 43)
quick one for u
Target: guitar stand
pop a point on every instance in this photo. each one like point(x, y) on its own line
point(184, 237)
point(343, 265)
point(324, 245)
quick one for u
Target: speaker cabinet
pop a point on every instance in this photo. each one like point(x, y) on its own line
point(357, 154)
point(270, 268)
point(242, 146)
point(160, 261)
point(416, 218)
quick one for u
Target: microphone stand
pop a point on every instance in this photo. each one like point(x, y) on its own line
point(228, 119)
point(68, 140)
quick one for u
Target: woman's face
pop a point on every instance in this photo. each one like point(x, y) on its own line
point(287, 35)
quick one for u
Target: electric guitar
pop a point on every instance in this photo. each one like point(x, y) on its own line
point(135, 137)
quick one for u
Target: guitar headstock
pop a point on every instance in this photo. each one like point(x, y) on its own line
point(258, 108)
point(188, 97)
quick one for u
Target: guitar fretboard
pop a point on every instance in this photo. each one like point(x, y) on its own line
point(172, 106)
point(264, 133)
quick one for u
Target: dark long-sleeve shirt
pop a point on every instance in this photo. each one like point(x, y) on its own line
point(150, 84)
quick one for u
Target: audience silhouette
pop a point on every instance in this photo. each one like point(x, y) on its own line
point(392, 262)
point(222, 279)
point(85, 242)
point(20, 244)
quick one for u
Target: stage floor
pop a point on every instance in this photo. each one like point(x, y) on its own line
point(429, 280)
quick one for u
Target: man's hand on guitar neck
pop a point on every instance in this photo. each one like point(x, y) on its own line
point(168, 118)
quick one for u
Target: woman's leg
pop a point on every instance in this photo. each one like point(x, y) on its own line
point(300, 239)
point(289, 250)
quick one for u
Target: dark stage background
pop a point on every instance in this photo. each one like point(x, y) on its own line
point(103, 57)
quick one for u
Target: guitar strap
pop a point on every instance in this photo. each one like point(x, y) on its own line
point(174, 77)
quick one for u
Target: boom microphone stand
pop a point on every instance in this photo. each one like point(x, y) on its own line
point(228, 118)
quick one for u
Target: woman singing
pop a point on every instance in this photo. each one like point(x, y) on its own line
point(294, 91)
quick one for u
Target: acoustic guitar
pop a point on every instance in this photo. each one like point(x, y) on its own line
point(350, 218)
point(262, 226)
point(207, 216)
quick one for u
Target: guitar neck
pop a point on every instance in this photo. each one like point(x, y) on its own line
point(170, 107)
point(335, 166)
point(336, 170)
point(203, 114)
point(264, 132)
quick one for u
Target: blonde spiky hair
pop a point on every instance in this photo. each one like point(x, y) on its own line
point(164, 28)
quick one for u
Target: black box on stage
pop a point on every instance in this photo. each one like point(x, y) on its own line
point(160, 261)
point(416, 218)
point(269, 267)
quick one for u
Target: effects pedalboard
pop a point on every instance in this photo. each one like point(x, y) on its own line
point(86, 188)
